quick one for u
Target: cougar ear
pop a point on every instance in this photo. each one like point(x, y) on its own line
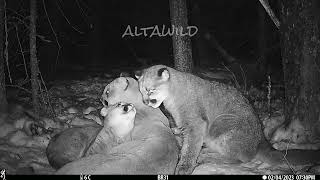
point(138, 74)
point(164, 74)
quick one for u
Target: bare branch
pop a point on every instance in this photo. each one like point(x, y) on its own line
point(6, 54)
point(55, 34)
point(267, 7)
point(244, 78)
point(227, 57)
point(285, 158)
point(233, 76)
point(21, 50)
point(83, 14)
point(16, 12)
point(73, 27)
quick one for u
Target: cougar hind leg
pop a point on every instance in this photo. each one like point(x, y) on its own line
point(233, 139)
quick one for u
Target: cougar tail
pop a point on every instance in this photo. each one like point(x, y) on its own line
point(266, 153)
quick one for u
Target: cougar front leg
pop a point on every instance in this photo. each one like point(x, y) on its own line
point(193, 136)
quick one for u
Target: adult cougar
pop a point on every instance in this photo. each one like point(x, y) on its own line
point(212, 114)
point(152, 149)
point(118, 125)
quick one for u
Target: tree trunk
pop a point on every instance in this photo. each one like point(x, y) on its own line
point(33, 57)
point(3, 98)
point(182, 51)
point(300, 45)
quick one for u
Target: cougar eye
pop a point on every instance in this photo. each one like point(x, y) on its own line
point(125, 108)
point(119, 104)
point(150, 91)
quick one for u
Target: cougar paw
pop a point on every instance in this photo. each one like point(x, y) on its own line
point(184, 169)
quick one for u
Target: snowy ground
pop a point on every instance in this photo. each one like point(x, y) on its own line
point(23, 141)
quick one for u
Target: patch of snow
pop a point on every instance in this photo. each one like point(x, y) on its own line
point(5, 129)
point(63, 118)
point(20, 138)
point(82, 98)
point(252, 164)
point(89, 110)
point(294, 136)
point(287, 145)
point(19, 124)
point(70, 116)
point(72, 110)
point(38, 141)
point(264, 166)
point(295, 133)
point(271, 125)
point(212, 168)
